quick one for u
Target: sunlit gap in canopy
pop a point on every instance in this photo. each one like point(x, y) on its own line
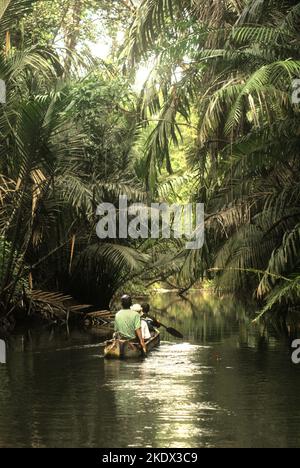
point(102, 49)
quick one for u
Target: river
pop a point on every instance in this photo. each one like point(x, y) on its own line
point(227, 384)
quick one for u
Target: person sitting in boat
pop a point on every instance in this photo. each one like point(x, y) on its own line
point(152, 324)
point(145, 329)
point(128, 324)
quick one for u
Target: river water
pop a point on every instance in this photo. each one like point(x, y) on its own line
point(227, 384)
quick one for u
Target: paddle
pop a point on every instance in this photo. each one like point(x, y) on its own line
point(170, 330)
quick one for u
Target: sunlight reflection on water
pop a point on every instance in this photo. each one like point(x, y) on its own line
point(162, 383)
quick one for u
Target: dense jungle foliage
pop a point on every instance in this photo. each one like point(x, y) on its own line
point(216, 121)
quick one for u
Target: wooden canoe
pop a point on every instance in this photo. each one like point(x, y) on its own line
point(126, 349)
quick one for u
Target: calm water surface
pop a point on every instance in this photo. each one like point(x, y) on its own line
point(225, 385)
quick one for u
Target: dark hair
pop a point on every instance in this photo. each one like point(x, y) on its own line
point(146, 308)
point(126, 301)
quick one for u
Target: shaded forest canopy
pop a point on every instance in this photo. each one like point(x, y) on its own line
point(216, 120)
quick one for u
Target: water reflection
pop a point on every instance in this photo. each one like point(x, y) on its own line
point(165, 405)
point(228, 384)
point(171, 405)
point(206, 318)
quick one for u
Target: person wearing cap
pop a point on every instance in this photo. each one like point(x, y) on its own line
point(128, 324)
point(145, 329)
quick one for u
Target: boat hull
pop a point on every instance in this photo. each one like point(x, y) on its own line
point(124, 349)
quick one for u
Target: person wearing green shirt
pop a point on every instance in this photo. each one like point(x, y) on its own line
point(128, 322)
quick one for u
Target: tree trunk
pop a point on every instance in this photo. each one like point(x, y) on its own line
point(72, 32)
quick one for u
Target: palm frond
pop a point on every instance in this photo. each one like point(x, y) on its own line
point(283, 259)
point(11, 11)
